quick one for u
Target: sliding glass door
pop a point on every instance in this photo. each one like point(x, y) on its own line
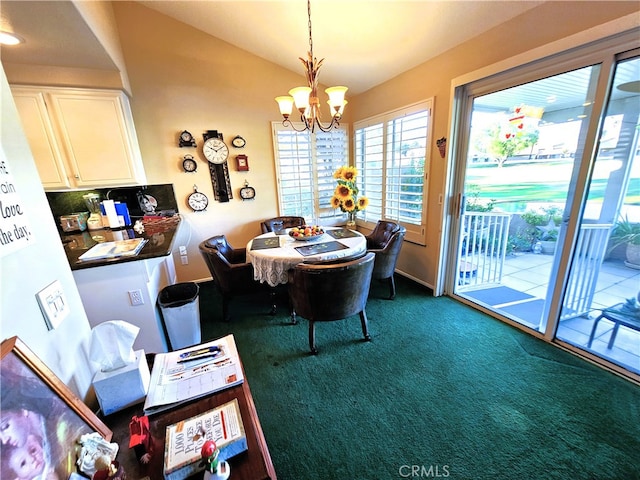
point(547, 169)
point(600, 311)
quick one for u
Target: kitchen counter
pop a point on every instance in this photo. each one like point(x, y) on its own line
point(160, 234)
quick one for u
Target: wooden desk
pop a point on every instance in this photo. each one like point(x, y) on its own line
point(254, 464)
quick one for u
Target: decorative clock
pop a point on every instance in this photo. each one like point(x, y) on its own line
point(216, 152)
point(247, 192)
point(189, 164)
point(186, 139)
point(198, 201)
point(242, 163)
point(238, 142)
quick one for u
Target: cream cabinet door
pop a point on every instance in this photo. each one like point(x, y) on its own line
point(93, 134)
point(41, 137)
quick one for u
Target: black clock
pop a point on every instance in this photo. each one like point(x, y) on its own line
point(187, 140)
point(216, 152)
point(238, 142)
point(247, 192)
point(198, 201)
point(189, 164)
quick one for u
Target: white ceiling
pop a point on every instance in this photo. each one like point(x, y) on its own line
point(364, 42)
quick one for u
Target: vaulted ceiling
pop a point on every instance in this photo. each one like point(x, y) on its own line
point(364, 42)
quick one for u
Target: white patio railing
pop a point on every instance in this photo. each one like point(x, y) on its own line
point(482, 248)
point(585, 268)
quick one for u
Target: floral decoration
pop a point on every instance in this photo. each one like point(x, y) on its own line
point(345, 197)
point(209, 454)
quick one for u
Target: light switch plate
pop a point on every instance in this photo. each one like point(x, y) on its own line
point(53, 304)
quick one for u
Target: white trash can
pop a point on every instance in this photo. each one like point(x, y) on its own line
point(180, 309)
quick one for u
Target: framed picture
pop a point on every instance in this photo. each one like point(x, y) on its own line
point(41, 420)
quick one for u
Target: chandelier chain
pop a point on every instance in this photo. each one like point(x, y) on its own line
point(310, 37)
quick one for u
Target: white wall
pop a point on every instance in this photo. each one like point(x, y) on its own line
point(25, 272)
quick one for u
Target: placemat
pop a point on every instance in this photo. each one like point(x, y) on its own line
point(341, 233)
point(318, 248)
point(262, 243)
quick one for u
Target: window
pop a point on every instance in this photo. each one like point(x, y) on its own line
point(305, 163)
point(391, 155)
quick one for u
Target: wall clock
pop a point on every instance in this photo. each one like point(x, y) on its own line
point(238, 142)
point(189, 164)
point(198, 201)
point(242, 162)
point(247, 192)
point(216, 152)
point(187, 140)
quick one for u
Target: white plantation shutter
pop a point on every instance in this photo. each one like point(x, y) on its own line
point(391, 155)
point(305, 163)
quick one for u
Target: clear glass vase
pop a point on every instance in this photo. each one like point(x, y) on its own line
point(351, 220)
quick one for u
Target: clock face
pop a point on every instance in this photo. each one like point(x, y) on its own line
point(238, 142)
point(247, 193)
point(215, 151)
point(198, 201)
point(186, 136)
point(189, 164)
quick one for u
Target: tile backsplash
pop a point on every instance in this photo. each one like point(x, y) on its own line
point(154, 199)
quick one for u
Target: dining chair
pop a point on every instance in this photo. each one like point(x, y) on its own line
point(287, 222)
point(385, 241)
point(232, 274)
point(328, 291)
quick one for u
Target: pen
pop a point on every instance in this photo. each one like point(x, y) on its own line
point(193, 359)
point(200, 351)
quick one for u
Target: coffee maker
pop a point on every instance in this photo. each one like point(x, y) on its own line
point(93, 204)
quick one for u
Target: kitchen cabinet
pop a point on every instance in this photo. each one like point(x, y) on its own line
point(80, 138)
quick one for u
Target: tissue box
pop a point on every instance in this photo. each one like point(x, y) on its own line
point(124, 386)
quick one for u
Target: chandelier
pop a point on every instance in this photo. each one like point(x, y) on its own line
point(306, 98)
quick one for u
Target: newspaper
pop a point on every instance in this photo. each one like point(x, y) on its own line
point(193, 372)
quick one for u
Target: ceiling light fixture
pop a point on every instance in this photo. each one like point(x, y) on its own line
point(7, 38)
point(306, 98)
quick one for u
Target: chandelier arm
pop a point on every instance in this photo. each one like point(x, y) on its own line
point(288, 123)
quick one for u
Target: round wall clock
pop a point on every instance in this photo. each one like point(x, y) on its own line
point(189, 164)
point(198, 201)
point(216, 152)
point(238, 142)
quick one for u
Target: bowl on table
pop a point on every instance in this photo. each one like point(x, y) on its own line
point(306, 232)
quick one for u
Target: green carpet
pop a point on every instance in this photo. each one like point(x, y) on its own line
point(442, 390)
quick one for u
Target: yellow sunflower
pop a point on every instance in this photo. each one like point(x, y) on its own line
point(349, 174)
point(342, 192)
point(363, 202)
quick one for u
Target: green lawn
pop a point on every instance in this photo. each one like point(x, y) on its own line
point(539, 182)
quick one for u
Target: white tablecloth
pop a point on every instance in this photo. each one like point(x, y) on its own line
point(270, 265)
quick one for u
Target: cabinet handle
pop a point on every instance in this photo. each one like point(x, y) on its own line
point(77, 177)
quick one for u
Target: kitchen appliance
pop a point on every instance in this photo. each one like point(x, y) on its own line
point(94, 221)
point(74, 222)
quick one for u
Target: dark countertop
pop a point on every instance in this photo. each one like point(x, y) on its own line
point(160, 234)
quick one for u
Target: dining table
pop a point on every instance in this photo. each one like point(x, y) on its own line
point(274, 254)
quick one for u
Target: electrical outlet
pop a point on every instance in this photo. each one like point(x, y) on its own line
point(183, 250)
point(185, 260)
point(135, 297)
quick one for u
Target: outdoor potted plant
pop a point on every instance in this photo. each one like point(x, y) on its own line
point(544, 228)
point(627, 232)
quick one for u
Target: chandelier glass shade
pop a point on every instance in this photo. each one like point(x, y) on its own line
point(306, 99)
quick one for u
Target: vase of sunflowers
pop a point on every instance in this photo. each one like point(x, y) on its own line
point(345, 196)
